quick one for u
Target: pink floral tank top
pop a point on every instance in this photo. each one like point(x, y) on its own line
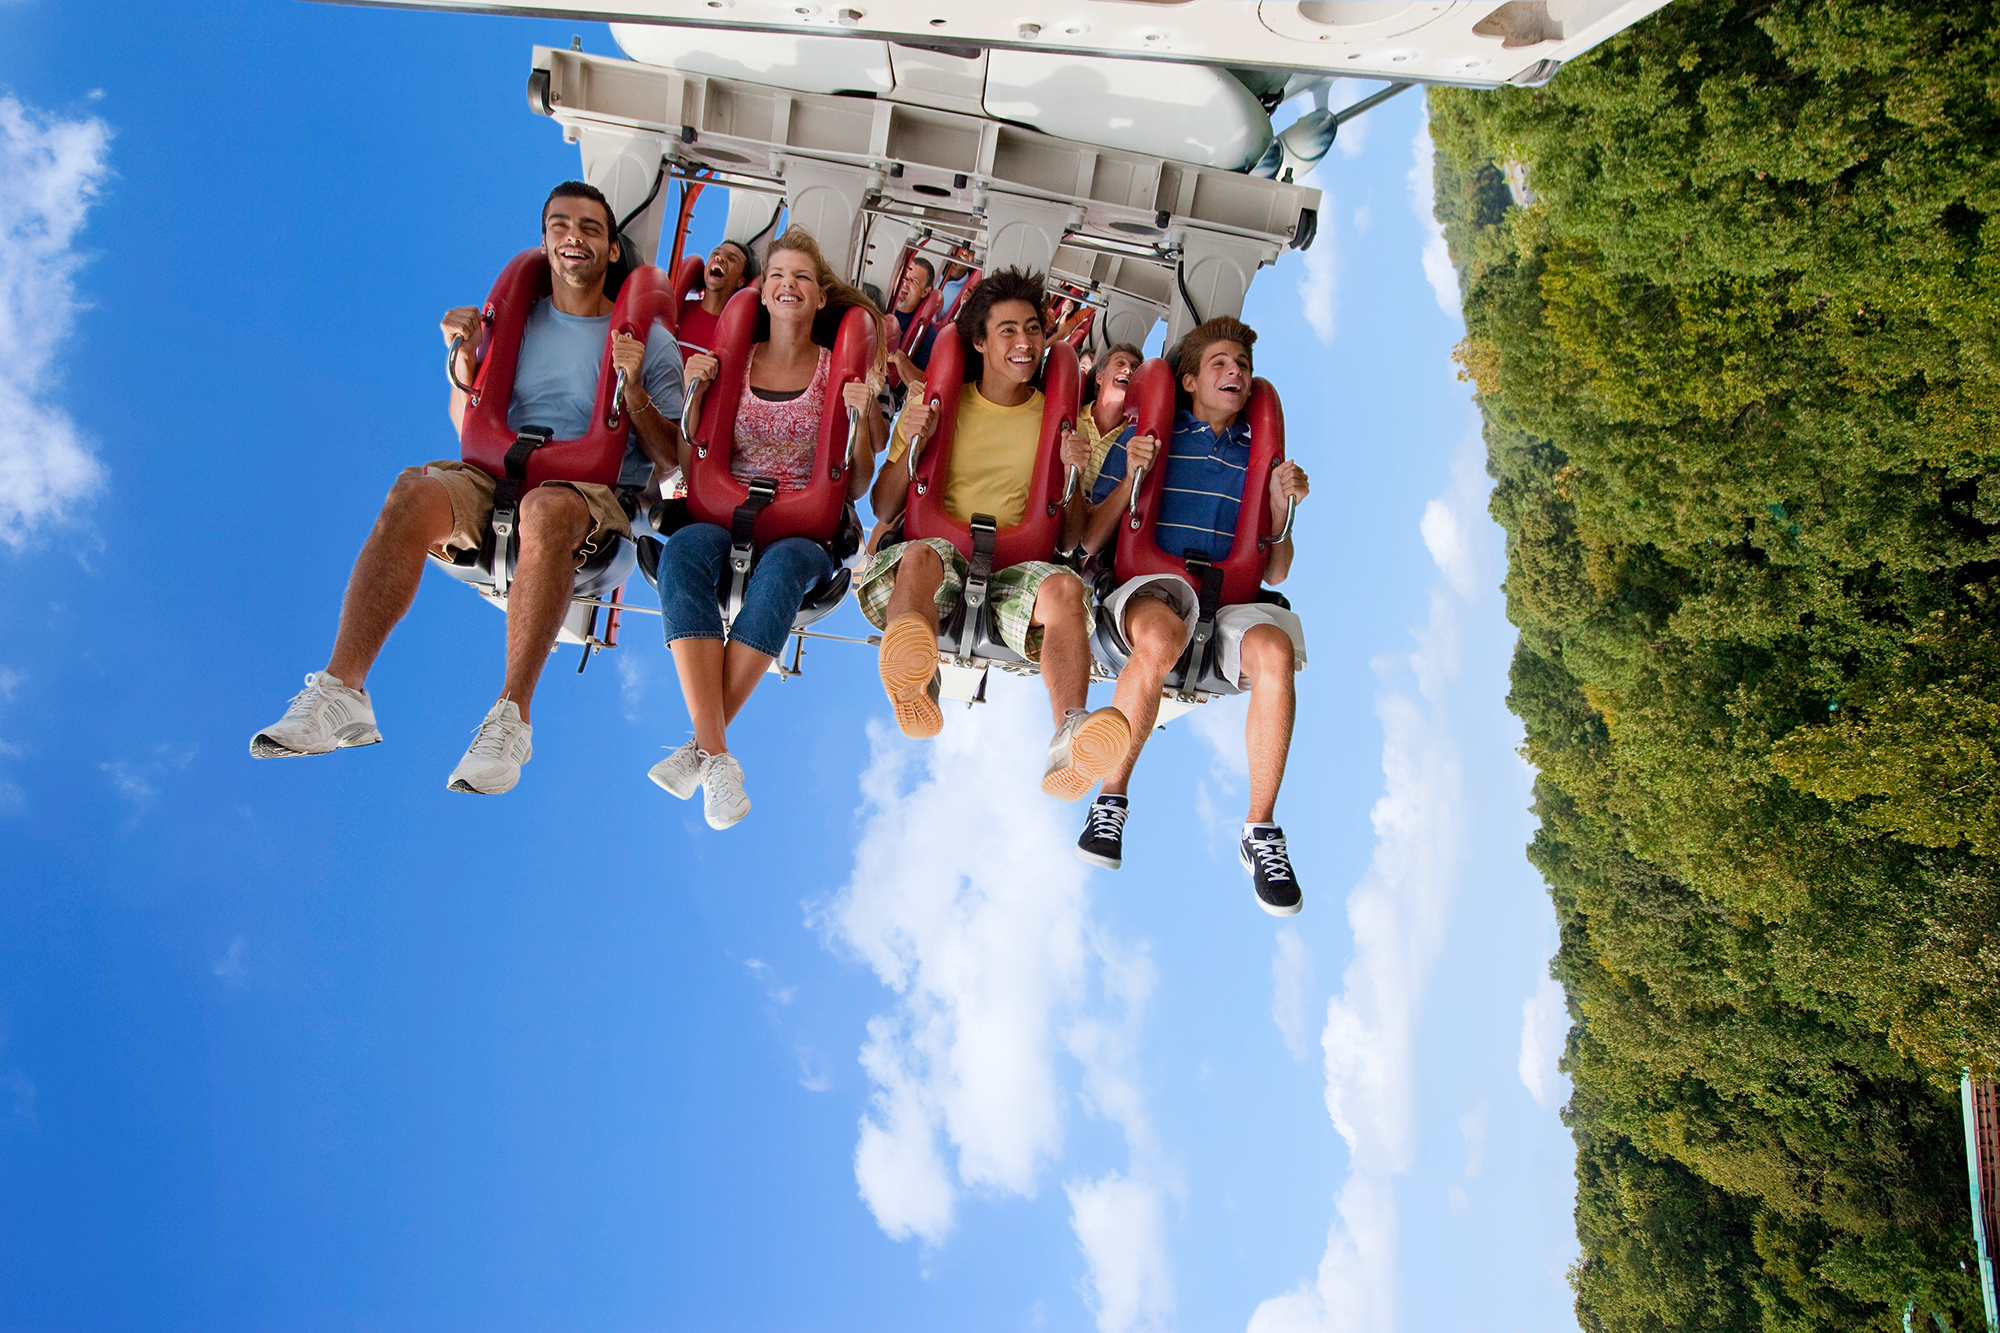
point(777, 439)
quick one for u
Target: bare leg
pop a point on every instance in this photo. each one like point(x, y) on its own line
point(919, 575)
point(383, 584)
point(1065, 642)
point(698, 662)
point(743, 668)
point(1267, 665)
point(554, 522)
point(1157, 635)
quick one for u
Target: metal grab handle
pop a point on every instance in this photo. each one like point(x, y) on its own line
point(451, 365)
point(687, 426)
point(923, 488)
point(1291, 513)
point(853, 434)
point(617, 401)
point(1132, 507)
point(1075, 473)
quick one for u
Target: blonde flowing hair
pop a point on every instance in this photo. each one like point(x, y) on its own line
point(841, 296)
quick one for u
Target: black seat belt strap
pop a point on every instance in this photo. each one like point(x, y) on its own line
point(507, 501)
point(742, 550)
point(979, 572)
point(1207, 579)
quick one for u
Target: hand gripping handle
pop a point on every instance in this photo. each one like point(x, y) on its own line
point(1291, 513)
point(451, 365)
point(688, 425)
point(617, 401)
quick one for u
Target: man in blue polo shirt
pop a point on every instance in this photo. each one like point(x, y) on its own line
point(1260, 644)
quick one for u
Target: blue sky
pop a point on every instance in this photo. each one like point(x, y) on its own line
point(322, 1045)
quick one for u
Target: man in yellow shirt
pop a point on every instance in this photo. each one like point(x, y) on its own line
point(1041, 610)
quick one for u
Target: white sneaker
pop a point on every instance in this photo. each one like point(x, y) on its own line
point(492, 763)
point(325, 716)
point(723, 801)
point(679, 774)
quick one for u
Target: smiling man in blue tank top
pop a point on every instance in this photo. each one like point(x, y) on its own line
point(447, 506)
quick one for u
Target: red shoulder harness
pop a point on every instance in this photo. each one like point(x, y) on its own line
point(1150, 396)
point(687, 282)
point(1040, 528)
point(713, 495)
point(485, 437)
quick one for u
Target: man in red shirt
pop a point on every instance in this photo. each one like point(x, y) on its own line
point(729, 266)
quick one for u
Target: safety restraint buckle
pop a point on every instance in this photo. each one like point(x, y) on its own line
point(742, 547)
point(1207, 579)
point(985, 531)
point(507, 501)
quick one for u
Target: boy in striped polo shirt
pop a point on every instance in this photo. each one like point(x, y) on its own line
point(1260, 645)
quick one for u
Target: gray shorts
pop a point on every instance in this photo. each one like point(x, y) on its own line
point(1231, 622)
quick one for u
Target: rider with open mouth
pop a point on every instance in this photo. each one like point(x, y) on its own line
point(730, 267)
point(1258, 645)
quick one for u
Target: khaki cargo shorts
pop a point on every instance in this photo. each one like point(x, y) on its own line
point(471, 492)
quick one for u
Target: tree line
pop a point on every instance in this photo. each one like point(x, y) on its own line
point(1732, 300)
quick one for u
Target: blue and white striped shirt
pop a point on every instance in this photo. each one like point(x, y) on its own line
point(1204, 485)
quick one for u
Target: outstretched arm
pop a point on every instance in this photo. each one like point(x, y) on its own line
point(1288, 483)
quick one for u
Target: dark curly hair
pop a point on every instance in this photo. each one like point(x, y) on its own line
point(578, 190)
point(1009, 284)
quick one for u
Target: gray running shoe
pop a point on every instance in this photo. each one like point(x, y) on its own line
point(325, 716)
point(492, 763)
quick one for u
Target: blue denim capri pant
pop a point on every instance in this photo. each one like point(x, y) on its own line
point(695, 560)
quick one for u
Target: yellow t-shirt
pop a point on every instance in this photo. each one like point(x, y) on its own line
point(1100, 445)
point(992, 457)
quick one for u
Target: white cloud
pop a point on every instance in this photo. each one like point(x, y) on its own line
point(138, 778)
point(1544, 1029)
point(1397, 914)
point(230, 967)
point(632, 687)
point(965, 901)
point(1292, 990)
point(1437, 257)
point(761, 970)
point(1319, 289)
point(23, 1089)
point(1472, 1124)
point(9, 682)
point(1121, 1225)
point(813, 1073)
point(129, 779)
point(1362, 217)
point(1353, 136)
point(1450, 545)
point(51, 172)
point(1219, 723)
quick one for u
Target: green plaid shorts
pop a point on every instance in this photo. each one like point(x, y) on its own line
point(1011, 592)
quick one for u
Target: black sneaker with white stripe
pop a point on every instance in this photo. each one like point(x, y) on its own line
point(1103, 840)
point(1262, 852)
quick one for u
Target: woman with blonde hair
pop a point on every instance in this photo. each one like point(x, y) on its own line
point(777, 430)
